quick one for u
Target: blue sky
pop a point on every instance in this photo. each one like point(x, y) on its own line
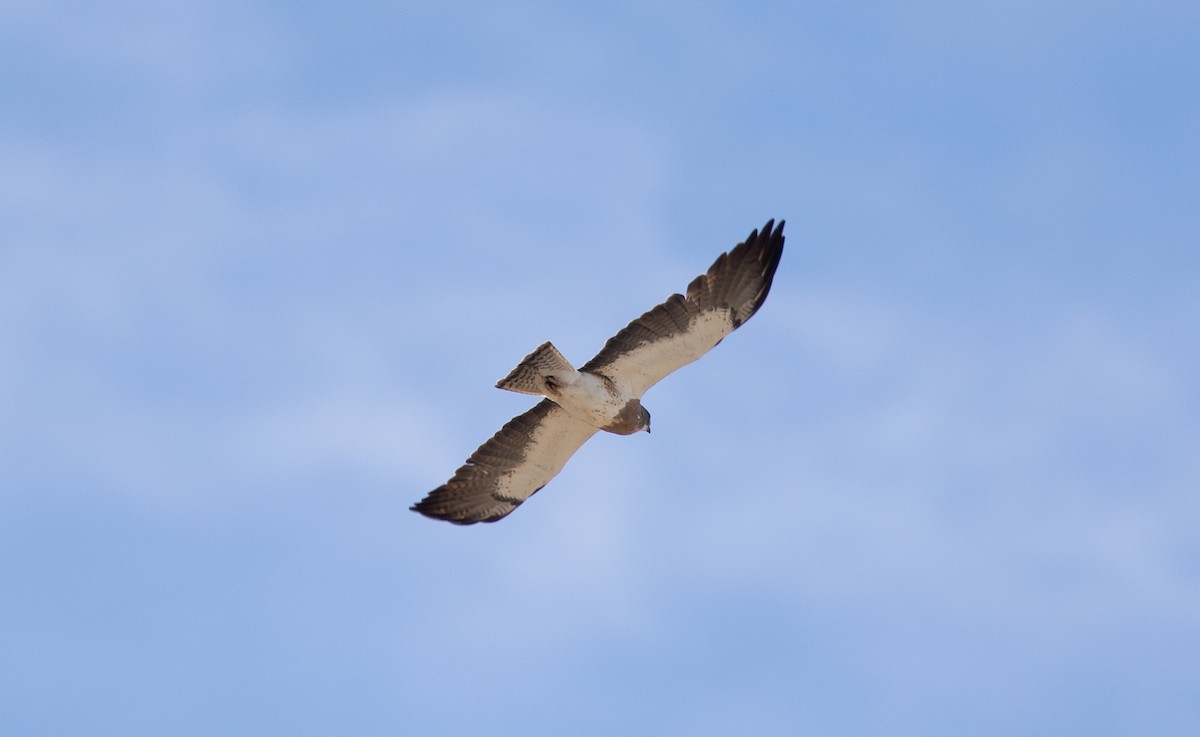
point(261, 264)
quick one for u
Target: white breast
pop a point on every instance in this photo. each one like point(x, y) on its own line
point(592, 399)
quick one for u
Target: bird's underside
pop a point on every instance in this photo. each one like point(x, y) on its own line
point(605, 393)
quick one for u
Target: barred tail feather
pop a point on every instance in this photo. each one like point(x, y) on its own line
point(539, 373)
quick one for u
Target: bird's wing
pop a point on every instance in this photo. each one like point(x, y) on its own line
point(519, 460)
point(683, 329)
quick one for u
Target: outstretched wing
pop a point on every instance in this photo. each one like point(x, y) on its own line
point(519, 460)
point(682, 329)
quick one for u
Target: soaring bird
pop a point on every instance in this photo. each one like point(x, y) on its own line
point(606, 392)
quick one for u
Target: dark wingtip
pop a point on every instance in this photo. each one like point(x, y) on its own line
point(768, 231)
point(425, 509)
point(428, 507)
point(769, 248)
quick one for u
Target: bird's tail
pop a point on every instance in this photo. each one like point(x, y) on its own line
point(542, 373)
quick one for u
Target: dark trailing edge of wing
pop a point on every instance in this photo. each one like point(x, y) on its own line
point(738, 280)
point(470, 496)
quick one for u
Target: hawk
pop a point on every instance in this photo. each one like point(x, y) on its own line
point(605, 393)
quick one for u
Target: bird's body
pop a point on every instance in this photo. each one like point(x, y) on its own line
point(605, 393)
point(597, 399)
point(602, 403)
